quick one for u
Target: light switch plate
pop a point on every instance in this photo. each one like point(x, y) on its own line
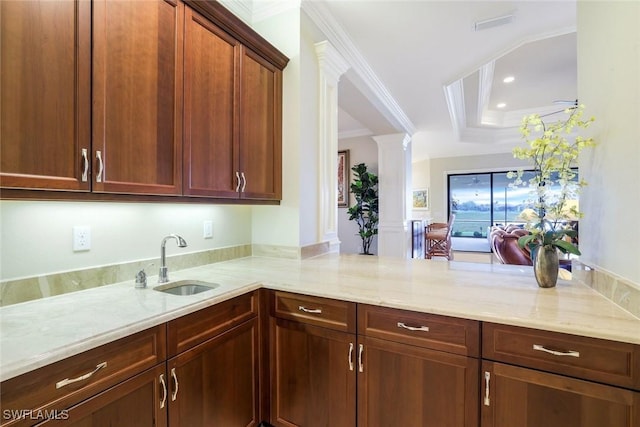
point(207, 230)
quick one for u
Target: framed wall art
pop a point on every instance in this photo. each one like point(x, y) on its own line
point(343, 178)
point(421, 199)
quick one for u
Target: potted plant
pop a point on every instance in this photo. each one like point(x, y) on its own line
point(554, 152)
point(365, 211)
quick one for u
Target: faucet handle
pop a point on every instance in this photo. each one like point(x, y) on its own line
point(141, 278)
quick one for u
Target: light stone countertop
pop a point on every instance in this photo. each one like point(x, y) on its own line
point(36, 333)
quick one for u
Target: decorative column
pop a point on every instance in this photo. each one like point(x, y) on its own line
point(331, 67)
point(394, 174)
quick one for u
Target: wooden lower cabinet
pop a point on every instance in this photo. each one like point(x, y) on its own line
point(404, 385)
point(516, 396)
point(313, 375)
point(216, 383)
point(137, 402)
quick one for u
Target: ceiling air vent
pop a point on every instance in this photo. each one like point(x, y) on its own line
point(493, 22)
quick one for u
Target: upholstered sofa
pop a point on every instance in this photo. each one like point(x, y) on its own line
point(504, 244)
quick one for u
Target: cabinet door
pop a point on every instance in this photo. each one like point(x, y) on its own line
point(313, 376)
point(216, 382)
point(402, 385)
point(260, 128)
point(45, 94)
point(523, 397)
point(210, 139)
point(137, 96)
point(138, 402)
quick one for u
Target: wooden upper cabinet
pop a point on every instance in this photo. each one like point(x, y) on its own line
point(137, 96)
point(45, 94)
point(260, 128)
point(210, 130)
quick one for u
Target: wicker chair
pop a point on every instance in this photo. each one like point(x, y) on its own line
point(437, 238)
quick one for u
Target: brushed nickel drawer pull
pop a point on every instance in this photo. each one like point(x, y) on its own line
point(413, 328)
point(310, 310)
point(175, 381)
point(100, 166)
point(360, 365)
point(68, 381)
point(164, 391)
point(351, 356)
point(571, 353)
point(487, 377)
point(85, 161)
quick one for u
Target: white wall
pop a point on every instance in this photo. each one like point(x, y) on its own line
point(361, 150)
point(37, 236)
point(609, 86)
point(280, 225)
point(421, 179)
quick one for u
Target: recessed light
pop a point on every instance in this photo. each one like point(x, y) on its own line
point(509, 79)
point(501, 105)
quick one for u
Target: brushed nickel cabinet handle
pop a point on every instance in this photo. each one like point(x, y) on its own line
point(164, 391)
point(351, 356)
point(88, 375)
point(569, 353)
point(174, 394)
point(100, 166)
point(244, 182)
point(360, 365)
point(85, 161)
point(238, 182)
point(413, 328)
point(310, 310)
point(487, 377)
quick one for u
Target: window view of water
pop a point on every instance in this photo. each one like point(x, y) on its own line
point(484, 199)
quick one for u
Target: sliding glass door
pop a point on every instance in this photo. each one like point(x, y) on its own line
point(481, 200)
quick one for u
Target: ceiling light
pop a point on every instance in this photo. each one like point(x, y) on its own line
point(509, 79)
point(501, 105)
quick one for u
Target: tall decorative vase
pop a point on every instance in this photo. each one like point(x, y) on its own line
point(545, 266)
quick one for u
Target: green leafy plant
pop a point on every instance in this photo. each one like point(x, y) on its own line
point(554, 151)
point(365, 211)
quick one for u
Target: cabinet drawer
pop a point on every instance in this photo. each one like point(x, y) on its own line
point(195, 328)
point(451, 334)
point(69, 381)
point(325, 312)
point(600, 360)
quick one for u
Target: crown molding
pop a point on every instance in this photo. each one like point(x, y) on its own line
point(354, 133)
point(242, 9)
point(371, 86)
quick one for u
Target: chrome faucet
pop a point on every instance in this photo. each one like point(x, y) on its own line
point(163, 276)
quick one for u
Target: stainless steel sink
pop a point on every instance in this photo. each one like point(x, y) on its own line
point(186, 287)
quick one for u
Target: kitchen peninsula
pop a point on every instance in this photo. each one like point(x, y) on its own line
point(38, 333)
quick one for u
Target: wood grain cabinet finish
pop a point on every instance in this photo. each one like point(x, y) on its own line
point(211, 155)
point(216, 383)
point(137, 96)
point(214, 376)
point(65, 383)
point(594, 359)
point(313, 360)
point(415, 369)
point(260, 129)
point(538, 378)
point(232, 135)
point(137, 402)
point(45, 101)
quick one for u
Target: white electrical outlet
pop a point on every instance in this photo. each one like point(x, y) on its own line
point(81, 238)
point(207, 230)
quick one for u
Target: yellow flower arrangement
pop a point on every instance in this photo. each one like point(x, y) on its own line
point(554, 151)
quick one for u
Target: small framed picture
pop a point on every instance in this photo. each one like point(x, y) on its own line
point(343, 178)
point(421, 199)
